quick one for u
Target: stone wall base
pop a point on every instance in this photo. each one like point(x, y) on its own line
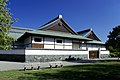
point(44, 58)
point(47, 58)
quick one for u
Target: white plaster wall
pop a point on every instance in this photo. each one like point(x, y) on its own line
point(54, 52)
point(67, 47)
point(48, 46)
point(103, 48)
point(75, 46)
point(14, 51)
point(48, 43)
point(59, 47)
point(93, 48)
point(104, 52)
point(83, 47)
point(68, 42)
point(48, 40)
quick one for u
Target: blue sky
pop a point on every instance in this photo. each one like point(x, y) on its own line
point(100, 15)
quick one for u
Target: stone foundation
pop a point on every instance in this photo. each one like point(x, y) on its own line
point(46, 58)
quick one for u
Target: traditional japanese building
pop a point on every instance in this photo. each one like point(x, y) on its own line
point(55, 40)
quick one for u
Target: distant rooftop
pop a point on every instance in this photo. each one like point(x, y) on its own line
point(84, 32)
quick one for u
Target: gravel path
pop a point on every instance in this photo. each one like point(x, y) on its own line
point(4, 65)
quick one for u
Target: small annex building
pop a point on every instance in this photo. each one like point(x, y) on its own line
point(55, 40)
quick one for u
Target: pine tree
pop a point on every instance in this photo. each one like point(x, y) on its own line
point(5, 25)
point(113, 42)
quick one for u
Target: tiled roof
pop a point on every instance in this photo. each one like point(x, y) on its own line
point(19, 32)
point(57, 34)
point(84, 32)
point(15, 35)
point(87, 32)
point(16, 32)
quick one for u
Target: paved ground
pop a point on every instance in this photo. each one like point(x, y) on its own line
point(4, 65)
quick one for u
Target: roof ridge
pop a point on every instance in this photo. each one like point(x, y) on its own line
point(21, 28)
point(89, 29)
point(52, 31)
point(58, 17)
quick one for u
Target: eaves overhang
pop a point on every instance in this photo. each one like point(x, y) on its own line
point(53, 34)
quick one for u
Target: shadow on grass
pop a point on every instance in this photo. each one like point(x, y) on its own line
point(79, 72)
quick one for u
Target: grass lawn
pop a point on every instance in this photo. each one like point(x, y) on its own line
point(96, 71)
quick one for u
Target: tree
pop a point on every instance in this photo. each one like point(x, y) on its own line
point(5, 25)
point(113, 42)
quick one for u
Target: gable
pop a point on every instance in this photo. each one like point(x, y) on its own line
point(59, 28)
point(59, 25)
point(84, 32)
point(92, 35)
point(89, 34)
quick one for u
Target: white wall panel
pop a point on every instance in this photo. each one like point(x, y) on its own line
point(54, 52)
point(102, 48)
point(48, 46)
point(58, 46)
point(67, 47)
point(48, 40)
point(104, 52)
point(83, 47)
point(68, 42)
point(93, 48)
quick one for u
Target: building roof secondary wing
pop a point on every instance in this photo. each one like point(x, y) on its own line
point(89, 34)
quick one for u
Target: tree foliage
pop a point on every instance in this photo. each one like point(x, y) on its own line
point(113, 42)
point(5, 25)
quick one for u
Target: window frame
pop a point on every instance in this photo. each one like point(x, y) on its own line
point(59, 41)
point(39, 38)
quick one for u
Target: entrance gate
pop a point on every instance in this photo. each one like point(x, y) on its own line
point(93, 54)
